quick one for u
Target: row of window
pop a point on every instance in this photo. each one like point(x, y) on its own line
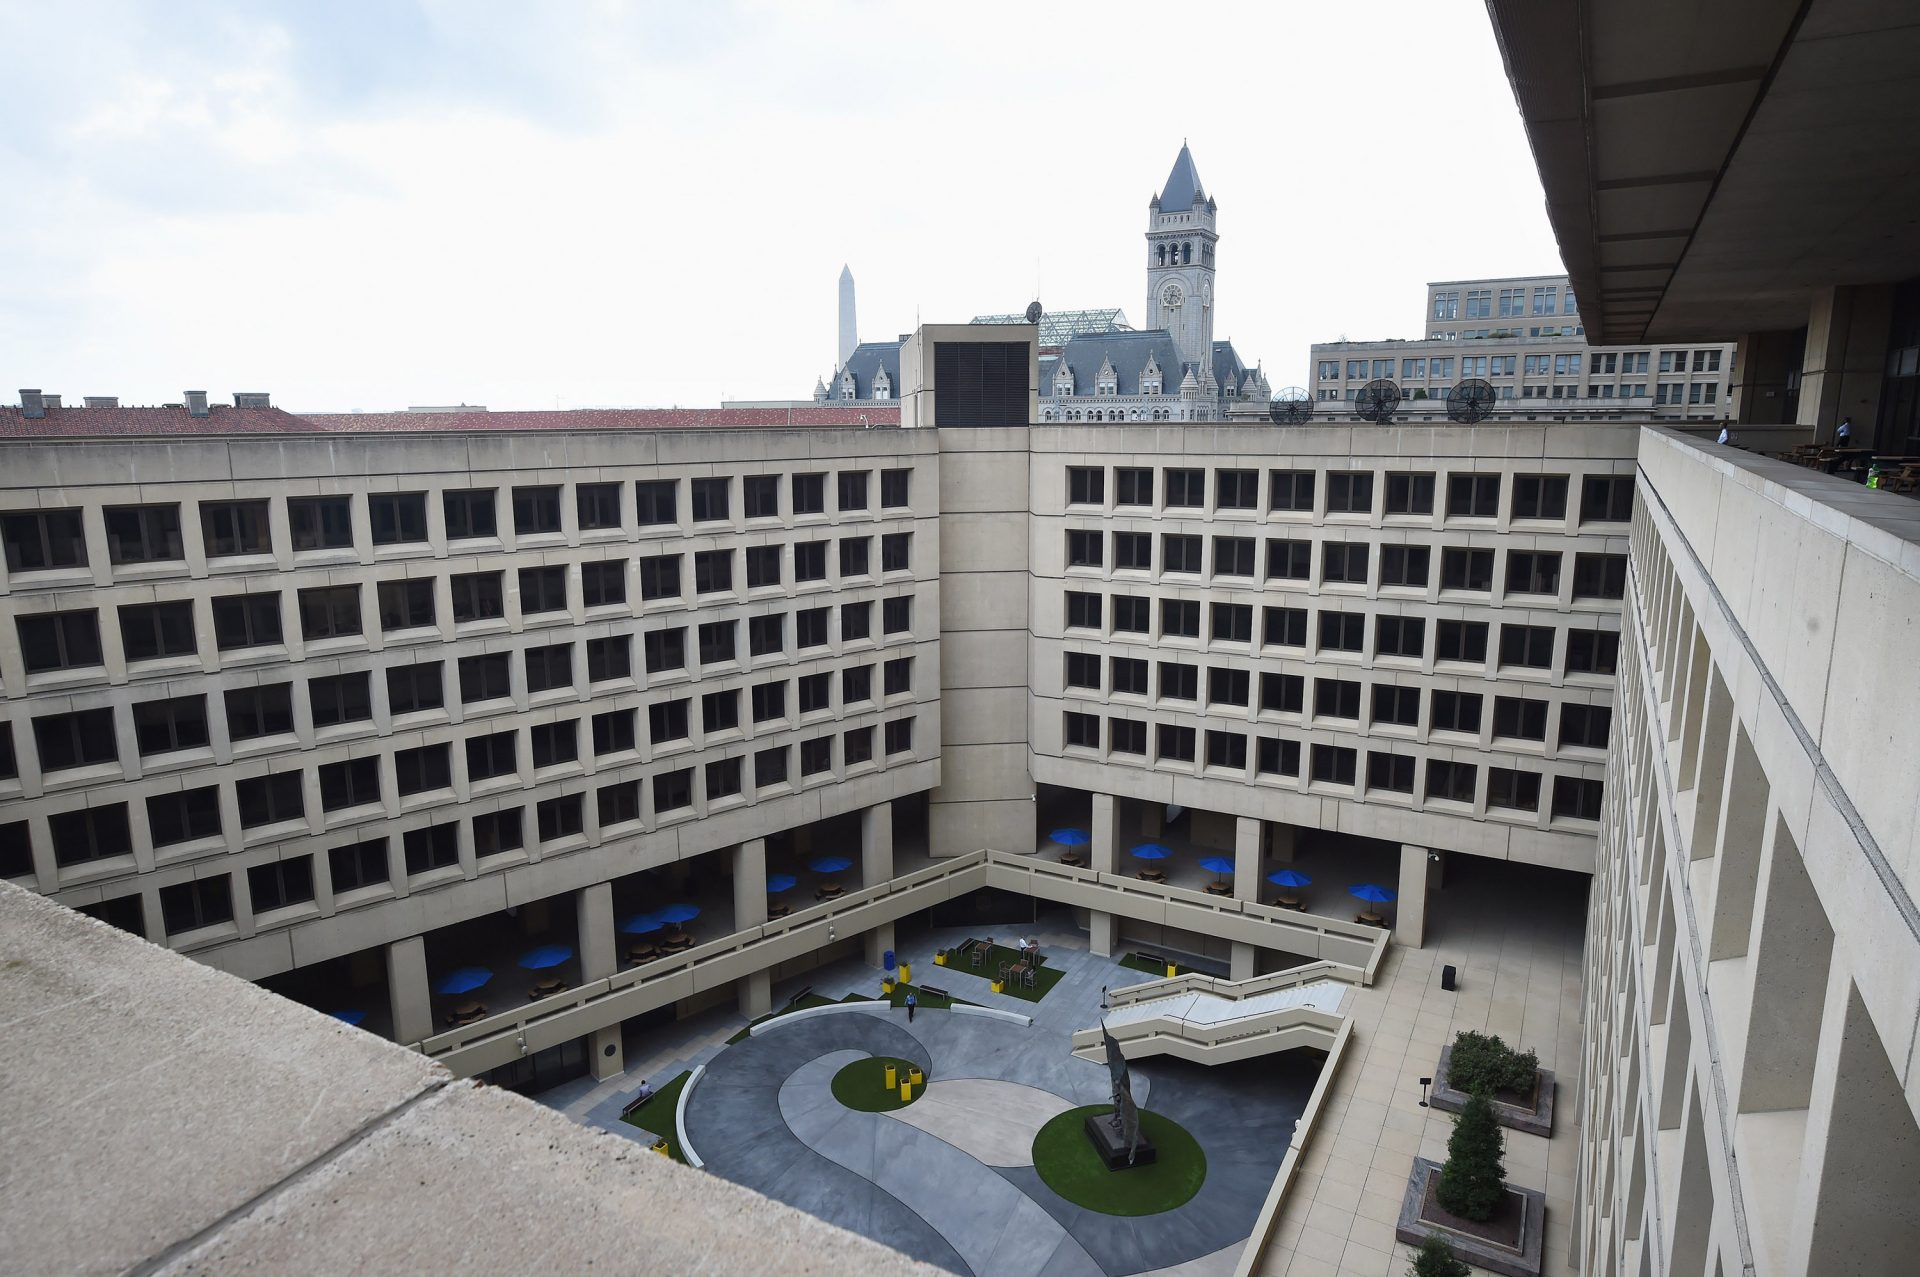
point(1440, 367)
point(1604, 498)
point(40, 540)
point(1514, 789)
point(1518, 718)
point(1545, 297)
point(1594, 576)
point(1521, 646)
point(87, 738)
point(52, 641)
point(103, 832)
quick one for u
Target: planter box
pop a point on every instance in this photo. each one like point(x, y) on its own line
point(1518, 1256)
point(1537, 1120)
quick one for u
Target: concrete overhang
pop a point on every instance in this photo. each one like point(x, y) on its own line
point(1709, 165)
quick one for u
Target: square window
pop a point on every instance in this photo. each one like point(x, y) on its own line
point(1086, 485)
point(1125, 736)
point(320, 523)
point(536, 510)
point(1290, 491)
point(615, 731)
point(404, 605)
point(397, 518)
point(1083, 549)
point(477, 596)
point(143, 533)
point(760, 494)
point(1133, 486)
point(1081, 730)
point(1409, 493)
point(655, 502)
point(896, 489)
point(598, 506)
point(543, 590)
point(470, 513)
point(851, 493)
point(712, 500)
point(229, 528)
point(603, 584)
point(809, 494)
point(1284, 626)
point(1186, 489)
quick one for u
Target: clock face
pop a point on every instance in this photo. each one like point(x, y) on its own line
point(1170, 296)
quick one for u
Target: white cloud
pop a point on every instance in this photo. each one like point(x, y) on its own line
point(367, 206)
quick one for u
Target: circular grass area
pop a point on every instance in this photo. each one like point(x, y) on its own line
point(862, 1085)
point(1068, 1164)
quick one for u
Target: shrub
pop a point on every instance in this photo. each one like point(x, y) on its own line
point(1475, 1175)
point(1483, 1063)
point(1436, 1259)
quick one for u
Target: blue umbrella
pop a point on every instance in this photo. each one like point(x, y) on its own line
point(540, 957)
point(1070, 837)
point(642, 924)
point(779, 883)
point(1289, 878)
point(830, 864)
point(463, 980)
point(1367, 891)
point(677, 914)
point(1151, 851)
point(1217, 864)
point(353, 1015)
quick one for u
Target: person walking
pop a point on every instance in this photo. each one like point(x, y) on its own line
point(1843, 433)
point(1726, 436)
point(912, 1002)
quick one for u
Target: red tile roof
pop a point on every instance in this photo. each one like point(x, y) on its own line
point(80, 423)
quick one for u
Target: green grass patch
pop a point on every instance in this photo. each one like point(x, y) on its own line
point(924, 1000)
point(862, 1085)
point(656, 1115)
point(1139, 962)
point(1044, 979)
point(1068, 1164)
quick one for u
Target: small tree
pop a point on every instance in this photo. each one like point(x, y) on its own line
point(1472, 1181)
point(1436, 1259)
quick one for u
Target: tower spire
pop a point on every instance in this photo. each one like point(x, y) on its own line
point(849, 327)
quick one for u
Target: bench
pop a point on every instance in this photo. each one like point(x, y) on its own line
point(935, 991)
point(799, 997)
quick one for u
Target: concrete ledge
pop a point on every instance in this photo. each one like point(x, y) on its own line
point(680, 1118)
point(993, 1013)
point(1537, 1120)
point(173, 1119)
point(808, 1013)
point(1254, 1251)
point(1523, 1261)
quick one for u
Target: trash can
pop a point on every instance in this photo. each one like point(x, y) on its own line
point(886, 960)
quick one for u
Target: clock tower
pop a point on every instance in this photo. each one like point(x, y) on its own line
point(1180, 247)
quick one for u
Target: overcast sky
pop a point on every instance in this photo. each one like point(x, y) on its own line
point(370, 204)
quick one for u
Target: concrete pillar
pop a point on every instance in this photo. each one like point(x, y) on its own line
point(1104, 850)
point(598, 956)
point(878, 941)
point(755, 994)
point(1410, 918)
point(876, 844)
point(407, 992)
point(750, 884)
point(1100, 934)
point(1241, 965)
point(1247, 837)
point(1845, 361)
point(1763, 365)
point(606, 1055)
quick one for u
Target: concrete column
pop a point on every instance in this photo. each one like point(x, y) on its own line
point(598, 958)
point(606, 1055)
point(1844, 365)
point(1410, 918)
point(1102, 854)
point(407, 992)
point(1104, 850)
point(755, 993)
point(876, 866)
point(1100, 934)
point(1247, 832)
point(1241, 965)
point(750, 884)
point(876, 844)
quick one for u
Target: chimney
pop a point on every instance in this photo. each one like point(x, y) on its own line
point(103, 401)
point(252, 399)
point(196, 402)
point(51, 401)
point(33, 405)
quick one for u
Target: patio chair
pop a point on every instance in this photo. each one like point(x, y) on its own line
point(1030, 976)
point(977, 956)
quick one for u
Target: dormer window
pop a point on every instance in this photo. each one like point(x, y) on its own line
point(848, 390)
point(1063, 381)
point(882, 387)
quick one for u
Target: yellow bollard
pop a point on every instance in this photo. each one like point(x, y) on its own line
point(916, 1077)
point(892, 1081)
point(661, 1148)
point(1172, 971)
point(906, 974)
point(906, 1092)
point(999, 987)
point(940, 959)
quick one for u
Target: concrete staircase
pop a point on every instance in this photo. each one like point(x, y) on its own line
point(1212, 1021)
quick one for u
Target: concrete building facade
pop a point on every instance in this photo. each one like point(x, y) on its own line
point(1525, 336)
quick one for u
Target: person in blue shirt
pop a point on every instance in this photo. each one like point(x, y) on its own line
point(912, 1002)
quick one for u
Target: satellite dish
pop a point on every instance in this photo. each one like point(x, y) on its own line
point(1470, 401)
point(1291, 406)
point(1377, 400)
point(1033, 312)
